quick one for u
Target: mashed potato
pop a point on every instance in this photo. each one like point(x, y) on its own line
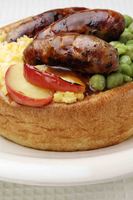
point(12, 53)
point(68, 97)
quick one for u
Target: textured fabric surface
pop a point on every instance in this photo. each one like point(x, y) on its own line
point(119, 190)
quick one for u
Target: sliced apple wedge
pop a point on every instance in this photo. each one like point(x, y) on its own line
point(53, 80)
point(22, 92)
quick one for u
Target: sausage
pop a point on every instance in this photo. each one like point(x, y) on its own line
point(105, 24)
point(81, 53)
point(36, 23)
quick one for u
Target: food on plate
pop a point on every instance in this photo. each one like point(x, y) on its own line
point(66, 84)
point(83, 53)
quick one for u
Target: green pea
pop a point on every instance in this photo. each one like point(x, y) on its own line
point(125, 36)
point(127, 78)
point(115, 43)
point(128, 20)
point(129, 42)
point(114, 80)
point(129, 51)
point(97, 82)
point(130, 28)
point(121, 48)
point(131, 65)
point(125, 59)
point(126, 69)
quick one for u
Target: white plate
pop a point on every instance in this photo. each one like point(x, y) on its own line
point(20, 164)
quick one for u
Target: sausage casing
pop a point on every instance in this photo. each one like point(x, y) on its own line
point(83, 53)
point(36, 23)
point(105, 24)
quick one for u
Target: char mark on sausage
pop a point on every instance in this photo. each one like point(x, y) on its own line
point(105, 24)
point(81, 53)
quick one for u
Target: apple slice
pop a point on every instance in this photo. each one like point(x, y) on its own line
point(23, 92)
point(53, 80)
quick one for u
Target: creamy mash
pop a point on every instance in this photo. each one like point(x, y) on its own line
point(10, 54)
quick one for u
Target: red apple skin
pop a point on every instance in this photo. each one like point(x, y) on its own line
point(20, 98)
point(49, 80)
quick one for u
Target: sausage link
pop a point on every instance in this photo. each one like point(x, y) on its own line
point(36, 23)
point(105, 24)
point(82, 53)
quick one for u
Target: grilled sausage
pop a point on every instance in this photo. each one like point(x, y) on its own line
point(83, 53)
point(105, 24)
point(34, 24)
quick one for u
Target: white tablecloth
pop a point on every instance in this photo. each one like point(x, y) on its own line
point(11, 10)
point(118, 190)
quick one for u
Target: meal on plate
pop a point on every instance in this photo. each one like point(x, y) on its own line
point(66, 79)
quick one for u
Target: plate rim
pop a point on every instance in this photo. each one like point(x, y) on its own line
point(68, 171)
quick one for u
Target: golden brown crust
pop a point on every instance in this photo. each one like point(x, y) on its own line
point(100, 120)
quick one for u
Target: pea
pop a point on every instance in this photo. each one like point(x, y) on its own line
point(129, 42)
point(114, 80)
point(130, 28)
point(128, 20)
point(97, 82)
point(121, 48)
point(132, 68)
point(125, 36)
point(126, 69)
point(125, 60)
point(129, 51)
point(127, 78)
point(115, 43)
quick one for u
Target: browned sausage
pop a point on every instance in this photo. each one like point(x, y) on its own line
point(105, 24)
point(38, 22)
point(83, 53)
